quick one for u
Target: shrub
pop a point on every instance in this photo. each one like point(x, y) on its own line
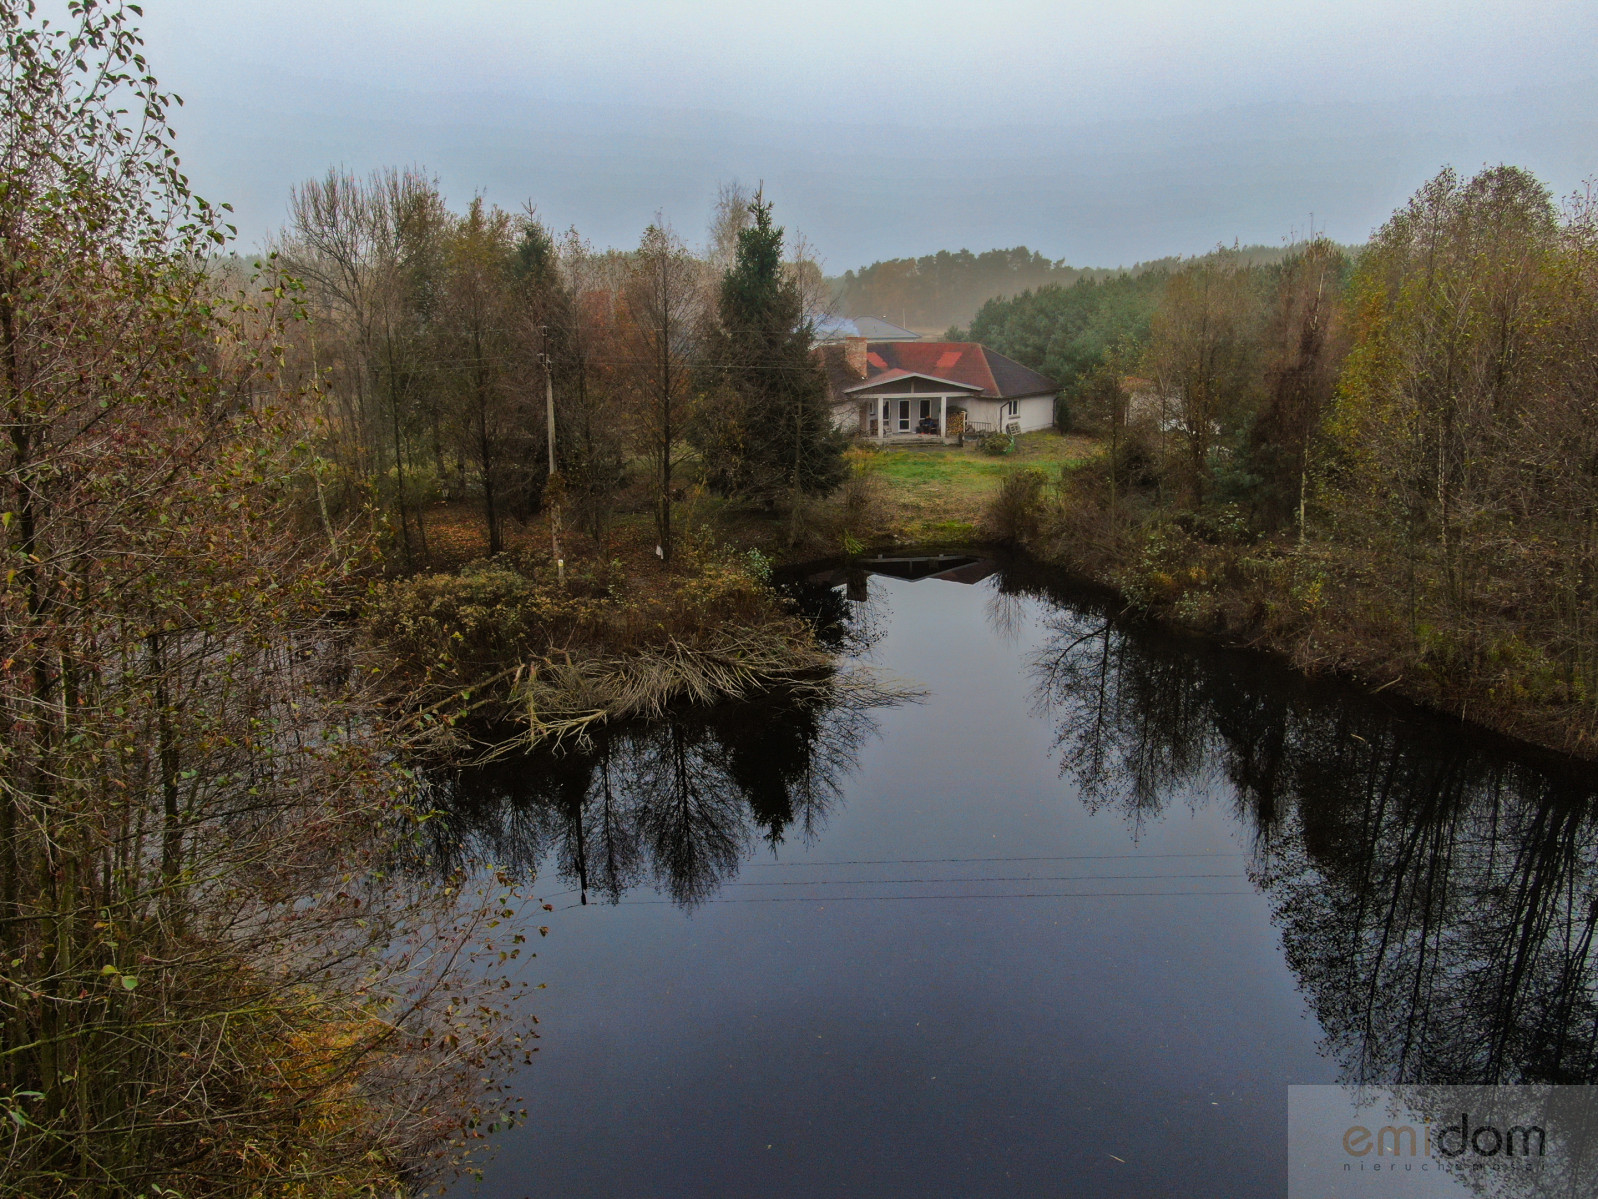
point(996, 443)
point(862, 502)
point(1064, 415)
point(1015, 514)
point(1138, 458)
point(758, 565)
point(855, 514)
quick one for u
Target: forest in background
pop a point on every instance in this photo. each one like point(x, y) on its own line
point(945, 290)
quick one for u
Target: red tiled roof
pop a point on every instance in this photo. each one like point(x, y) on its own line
point(959, 362)
point(966, 363)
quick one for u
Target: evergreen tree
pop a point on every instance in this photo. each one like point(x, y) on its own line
point(766, 429)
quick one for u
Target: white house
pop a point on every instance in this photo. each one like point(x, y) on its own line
point(894, 390)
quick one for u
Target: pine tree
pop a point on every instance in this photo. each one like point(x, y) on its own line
point(766, 430)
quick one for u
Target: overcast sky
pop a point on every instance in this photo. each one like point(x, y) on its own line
point(1099, 133)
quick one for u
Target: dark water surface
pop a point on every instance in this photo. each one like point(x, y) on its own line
point(1069, 926)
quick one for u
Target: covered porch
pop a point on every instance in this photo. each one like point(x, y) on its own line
point(911, 408)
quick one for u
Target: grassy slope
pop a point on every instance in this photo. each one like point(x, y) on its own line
point(939, 494)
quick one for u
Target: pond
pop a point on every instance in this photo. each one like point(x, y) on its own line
point(1070, 924)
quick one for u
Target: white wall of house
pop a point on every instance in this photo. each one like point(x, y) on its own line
point(1031, 414)
point(1036, 412)
point(848, 415)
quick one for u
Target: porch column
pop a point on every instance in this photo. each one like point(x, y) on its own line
point(882, 419)
point(943, 416)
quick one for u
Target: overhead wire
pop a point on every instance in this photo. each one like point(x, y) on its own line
point(1099, 857)
point(889, 898)
point(1023, 878)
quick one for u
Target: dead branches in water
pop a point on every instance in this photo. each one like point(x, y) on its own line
point(494, 643)
point(564, 699)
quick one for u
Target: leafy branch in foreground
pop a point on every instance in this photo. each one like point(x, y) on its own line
point(211, 983)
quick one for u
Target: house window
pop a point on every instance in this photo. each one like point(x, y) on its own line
point(904, 415)
point(1013, 408)
point(926, 409)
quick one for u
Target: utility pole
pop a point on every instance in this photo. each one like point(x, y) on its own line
point(553, 487)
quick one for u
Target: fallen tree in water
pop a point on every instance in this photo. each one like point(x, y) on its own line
point(565, 699)
point(563, 696)
point(501, 642)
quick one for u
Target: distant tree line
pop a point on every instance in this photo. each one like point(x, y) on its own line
point(943, 289)
point(947, 290)
point(442, 342)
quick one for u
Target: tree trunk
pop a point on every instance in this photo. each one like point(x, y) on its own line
point(664, 517)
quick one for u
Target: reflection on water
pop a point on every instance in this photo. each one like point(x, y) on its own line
point(1437, 895)
point(677, 804)
point(1432, 894)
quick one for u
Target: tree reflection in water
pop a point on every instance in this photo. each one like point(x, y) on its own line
point(1436, 890)
point(677, 804)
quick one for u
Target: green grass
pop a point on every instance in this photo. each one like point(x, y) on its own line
point(928, 466)
point(940, 494)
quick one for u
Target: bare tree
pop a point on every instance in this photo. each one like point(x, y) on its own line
point(589, 341)
point(1305, 341)
point(664, 301)
point(728, 219)
point(369, 253)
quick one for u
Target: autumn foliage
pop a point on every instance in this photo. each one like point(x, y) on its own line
point(212, 982)
point(1386, 465)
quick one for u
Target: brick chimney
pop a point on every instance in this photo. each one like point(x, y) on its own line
point(854, 353)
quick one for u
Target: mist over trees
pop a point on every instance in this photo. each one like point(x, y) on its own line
point(948, 289)
point(935, 291)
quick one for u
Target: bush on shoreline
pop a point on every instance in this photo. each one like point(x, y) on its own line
point(1326, 606)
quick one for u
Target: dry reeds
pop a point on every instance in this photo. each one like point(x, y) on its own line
point(563, 699)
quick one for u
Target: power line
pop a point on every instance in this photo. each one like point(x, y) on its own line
point(887, 898)
point(1084, 857)
point(1091, 857)
point(1025, 878)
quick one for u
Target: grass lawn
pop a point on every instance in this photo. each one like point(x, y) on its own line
point(938, 494)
